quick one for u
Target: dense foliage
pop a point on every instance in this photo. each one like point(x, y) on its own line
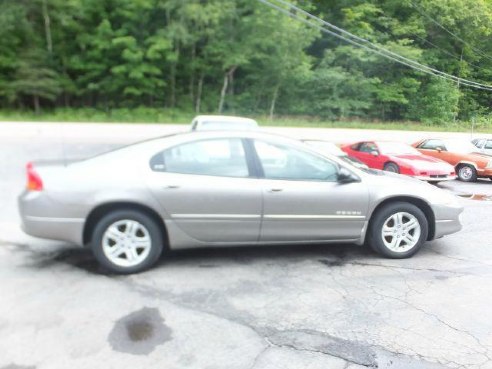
point(243, 57)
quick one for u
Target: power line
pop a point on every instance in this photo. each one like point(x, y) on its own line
point(360, 43)
point(422, 12)
point(380, 50)
point(454, 56)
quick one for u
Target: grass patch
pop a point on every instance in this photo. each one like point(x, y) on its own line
point(176, 116)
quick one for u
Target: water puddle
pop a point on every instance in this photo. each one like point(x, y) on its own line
point(140, 332)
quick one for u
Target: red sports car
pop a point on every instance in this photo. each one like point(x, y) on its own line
point(400, 158)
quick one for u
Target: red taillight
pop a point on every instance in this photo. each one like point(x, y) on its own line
point(34, 182)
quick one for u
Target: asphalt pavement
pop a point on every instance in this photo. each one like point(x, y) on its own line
point(333, 306)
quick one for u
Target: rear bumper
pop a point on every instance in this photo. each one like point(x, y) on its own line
point(41, 217)
point(61, 229)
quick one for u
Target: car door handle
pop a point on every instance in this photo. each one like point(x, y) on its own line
point(276, 189)
point(172, 187)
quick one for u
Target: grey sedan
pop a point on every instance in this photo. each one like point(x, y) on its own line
point(203, 189)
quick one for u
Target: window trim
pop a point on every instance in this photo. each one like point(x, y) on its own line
point(250, 168)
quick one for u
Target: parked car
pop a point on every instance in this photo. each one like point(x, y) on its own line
point(461, 154)
point(203, 189)
point(326, 147)
point(484, 145)
point(222, 122)
point(400, 158)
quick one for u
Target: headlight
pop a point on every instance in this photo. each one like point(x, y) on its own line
point(489, 165)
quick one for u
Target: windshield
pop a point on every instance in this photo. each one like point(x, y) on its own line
point(397, 148)
point(460, 146)
point(326, 147)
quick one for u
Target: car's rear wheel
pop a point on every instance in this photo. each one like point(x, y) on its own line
point(398, 230)
point(467, 173)
point(127, 241)
point(391, 167)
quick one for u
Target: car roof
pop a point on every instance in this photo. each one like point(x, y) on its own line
point(223, 118)
point(163, 142)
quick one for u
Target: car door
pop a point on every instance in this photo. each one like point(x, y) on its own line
point(302, 199)
point(436, 149)
point(207, 189)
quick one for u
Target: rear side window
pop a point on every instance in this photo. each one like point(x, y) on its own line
point(478, 143)
point(432, 145)
point(488, 145)
point(218, 157)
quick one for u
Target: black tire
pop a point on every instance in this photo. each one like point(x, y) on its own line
point(154, 231)
point(375, 238)
point(466, 173)
point(391, 167)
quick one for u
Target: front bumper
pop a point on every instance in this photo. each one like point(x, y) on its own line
point(436, 178)
point(447, 219)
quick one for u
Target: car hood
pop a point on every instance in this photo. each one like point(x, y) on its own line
point(424, 162)
point(384, 184)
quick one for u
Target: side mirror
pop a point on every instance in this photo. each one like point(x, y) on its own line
point(439, 149)
point(374, 153)
point(346, 176)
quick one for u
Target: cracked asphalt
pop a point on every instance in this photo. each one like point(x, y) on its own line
point(333, 306)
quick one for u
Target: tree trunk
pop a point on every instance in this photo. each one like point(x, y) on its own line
point(47, 27)
point(274, 100)
point(228, 76)
point(455, 115)
point(37, 106)
point(172, 100)
point(192, 73)
point(223, 92)
point(199, 94)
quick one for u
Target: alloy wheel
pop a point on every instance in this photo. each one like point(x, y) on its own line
point(126, 243)
point(401, 232)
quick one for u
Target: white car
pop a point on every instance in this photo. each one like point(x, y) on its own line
point(222, 122)
point(484, 145)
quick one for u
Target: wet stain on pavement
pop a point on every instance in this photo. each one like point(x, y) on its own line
point(140, 332)
point(78, 257)
point(441, 277)
point(476, 196)
point(332, 263)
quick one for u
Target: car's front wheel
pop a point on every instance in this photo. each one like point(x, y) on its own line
point(391, 167)
point(127, 241)
point(398, 230)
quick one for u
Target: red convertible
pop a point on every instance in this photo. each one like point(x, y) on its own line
point(400, 158)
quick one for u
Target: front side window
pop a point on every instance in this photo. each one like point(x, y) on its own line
point(488, 145)
point(368, 147)
point(432, 145)
point(282, 162)
point(218, 157)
